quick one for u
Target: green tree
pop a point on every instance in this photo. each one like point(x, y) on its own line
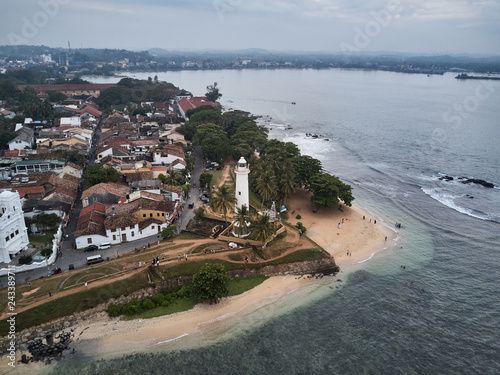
point(242, 219)
point(305, 168)
point(286, 185)
point(328, 189)
point(210, 282)
point(267, 185)
point(169, 231)
point(205, 178)
point(7, 133)
point(213, 93)
point(74, 157)
point(56, 97)
point(262, 228)
point(97, 173)
point(223, 199)
point(50, 220)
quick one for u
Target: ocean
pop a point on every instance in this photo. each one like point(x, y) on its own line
point(393, 137)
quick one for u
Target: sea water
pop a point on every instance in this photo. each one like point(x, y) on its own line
point(430, 304)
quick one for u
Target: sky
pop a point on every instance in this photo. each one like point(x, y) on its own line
point(413, 26)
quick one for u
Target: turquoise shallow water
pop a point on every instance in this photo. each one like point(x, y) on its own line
point(391, 137)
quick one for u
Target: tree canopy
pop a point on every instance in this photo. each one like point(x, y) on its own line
point(213, 93)
point(210, 282)
point(328, 189)
point(98, 173)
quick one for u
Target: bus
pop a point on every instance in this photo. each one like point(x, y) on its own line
point(94, 259)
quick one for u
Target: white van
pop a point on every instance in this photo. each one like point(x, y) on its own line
point(104, 246)
point(94, 259)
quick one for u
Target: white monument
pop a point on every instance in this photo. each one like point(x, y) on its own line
point(241, 192)
point(13, 231)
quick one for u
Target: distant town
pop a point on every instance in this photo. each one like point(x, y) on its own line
point(107, 62)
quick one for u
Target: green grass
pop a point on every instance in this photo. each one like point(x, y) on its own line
point(45, 239)
point(235, 286)
point(255, 201)
point(236, 257)
point(87, 275)
point(76, 302)
point(181, 305)
point(90, 298)
point(216, 178)
point(208, 246)
point(240, 285)
point(189, 236)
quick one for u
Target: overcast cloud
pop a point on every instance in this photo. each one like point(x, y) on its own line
point(420, 26)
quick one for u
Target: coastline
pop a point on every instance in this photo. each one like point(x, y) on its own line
point(111, 337)
point(106, 337)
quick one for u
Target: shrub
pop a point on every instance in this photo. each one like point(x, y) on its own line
point(114, 310)
point(200, 213)
point(185, 291)
point(301, 227)
point(25, 259)
point(147, 304)
point(298, 217)
point(158, 299)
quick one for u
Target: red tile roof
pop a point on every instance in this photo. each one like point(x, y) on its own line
point(91, 110)
point(195, 102)
point(97, 206)
point(29, 190)
point(114, 188)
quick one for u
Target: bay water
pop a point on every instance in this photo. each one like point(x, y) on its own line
point(430, 303)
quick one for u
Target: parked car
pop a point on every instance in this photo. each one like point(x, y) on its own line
point(56, 270)
point(90, 248)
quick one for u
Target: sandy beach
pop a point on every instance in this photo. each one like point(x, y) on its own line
point(356, 240)
point(361, 238)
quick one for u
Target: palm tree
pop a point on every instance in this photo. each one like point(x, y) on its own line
point(223, 199)
point(266, 185)
point(287, 181)
point(242, 217)
point(262, 228)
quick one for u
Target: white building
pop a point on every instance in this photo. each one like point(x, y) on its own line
point(13, 231)
point(25, 139)
point(241, 192)
point(70, 121)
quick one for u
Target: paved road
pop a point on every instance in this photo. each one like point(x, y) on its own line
point(78, 258)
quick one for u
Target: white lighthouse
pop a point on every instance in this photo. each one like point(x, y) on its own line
point(241, 192)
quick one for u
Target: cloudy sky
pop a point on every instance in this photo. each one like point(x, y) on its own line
point(419, 26)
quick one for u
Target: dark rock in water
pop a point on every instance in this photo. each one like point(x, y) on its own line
point(478, 181)
point(447, 178)
point(471, 197)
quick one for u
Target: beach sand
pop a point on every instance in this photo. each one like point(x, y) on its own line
point(360, 238)
point(105, 337)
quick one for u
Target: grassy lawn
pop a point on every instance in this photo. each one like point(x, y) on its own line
point(89, 298)
point(235, 286)
point(255, 201)
point(189, 236)
point(181, 305)
point(76, 302)
point(88, 275)
point(45, 239)
point(240, 285)
point(216, 178)
point(208, 246)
